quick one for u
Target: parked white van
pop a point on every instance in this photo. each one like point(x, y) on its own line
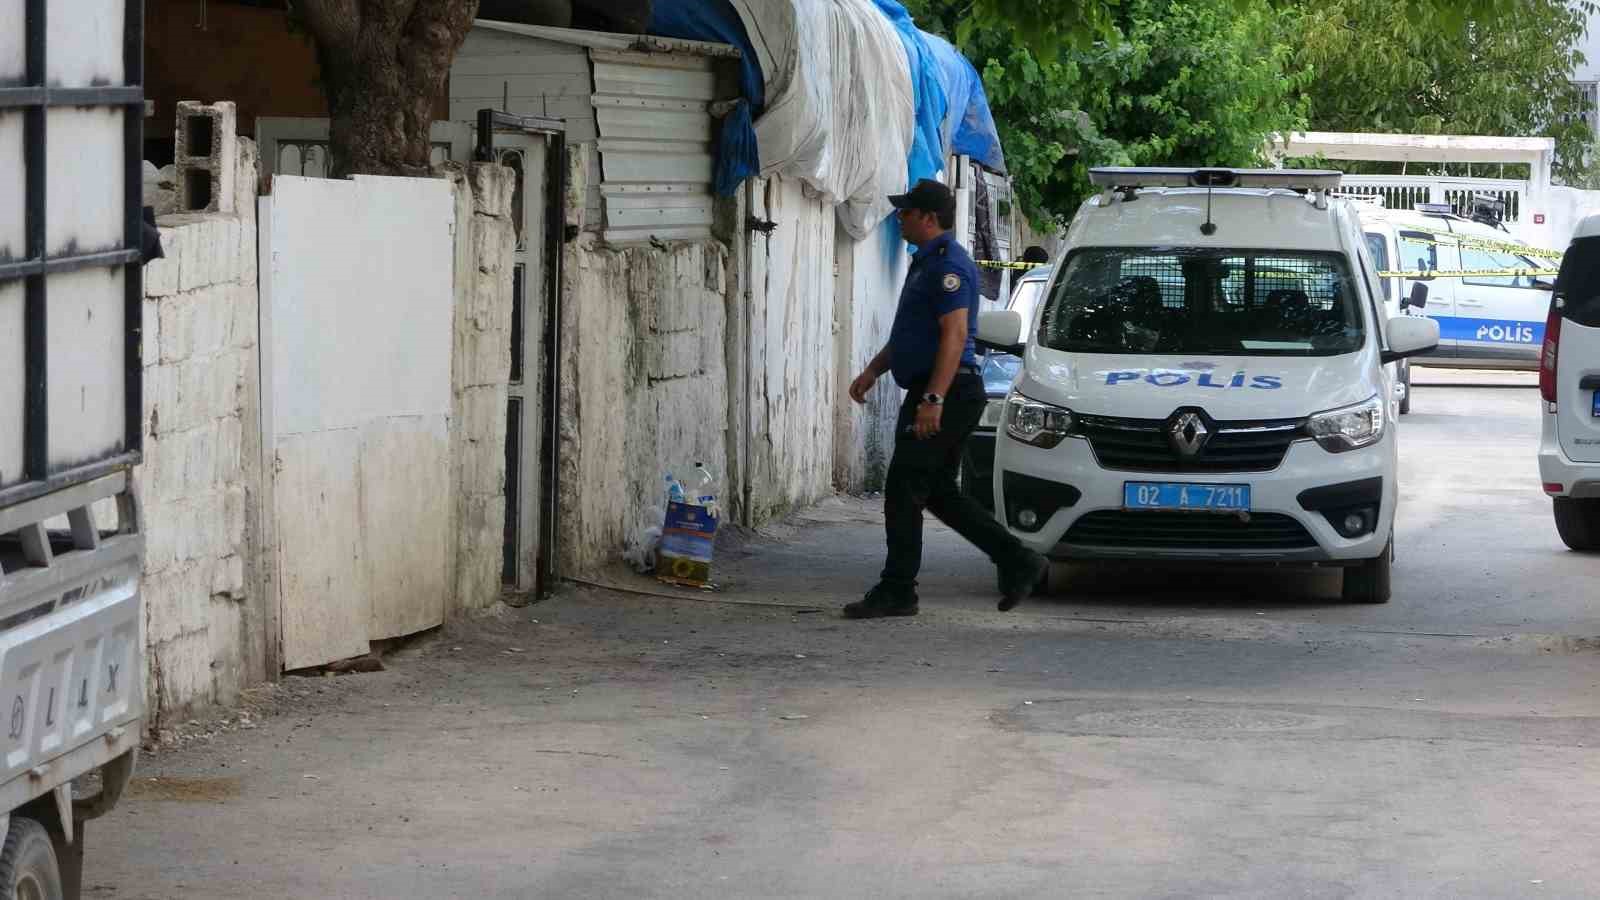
point(1205, 379)
point(1491, 319)
point(1569, 385)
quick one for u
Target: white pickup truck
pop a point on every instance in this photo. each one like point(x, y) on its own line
point(71, 623)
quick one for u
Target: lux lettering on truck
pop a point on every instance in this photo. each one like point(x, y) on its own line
point(1205, 380)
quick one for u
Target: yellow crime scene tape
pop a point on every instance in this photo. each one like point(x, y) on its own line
point(1479, 244)
point(1468, 273)
point(1002, 264)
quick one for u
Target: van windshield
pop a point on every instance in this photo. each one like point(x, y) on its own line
point(1212, 301)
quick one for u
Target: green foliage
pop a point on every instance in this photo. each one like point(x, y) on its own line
point(1181, 82)
point(1206, 82)
point(1380, 69)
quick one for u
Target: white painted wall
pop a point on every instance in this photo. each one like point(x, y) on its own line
point(872, 271)
point(644, 385)
point(357, 370)
point(792, 380)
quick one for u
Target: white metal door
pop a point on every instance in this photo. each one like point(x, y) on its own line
point(357, 297)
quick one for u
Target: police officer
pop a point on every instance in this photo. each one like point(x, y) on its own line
point(932, 354)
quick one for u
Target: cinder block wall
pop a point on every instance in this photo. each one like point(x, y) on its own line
point(200, 486)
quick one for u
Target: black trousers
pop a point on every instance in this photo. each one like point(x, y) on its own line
point(922, 475)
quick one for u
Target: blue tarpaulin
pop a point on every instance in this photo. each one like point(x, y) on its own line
point(968, 126)
point(927, 147)
point(716, 20)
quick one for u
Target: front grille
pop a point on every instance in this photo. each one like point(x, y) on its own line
point(1131, 530)
point(1142, 445)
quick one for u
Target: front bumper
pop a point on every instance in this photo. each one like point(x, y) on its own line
point(1280, 529)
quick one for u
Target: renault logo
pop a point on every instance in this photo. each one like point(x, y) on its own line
point(1188, 433)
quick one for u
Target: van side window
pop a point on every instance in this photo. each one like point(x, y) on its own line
point(1579, 282)
point(1378, 252)
point(1418, 250)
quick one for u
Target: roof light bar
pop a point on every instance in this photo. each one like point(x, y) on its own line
point(1435, 209)
point(1111, 178)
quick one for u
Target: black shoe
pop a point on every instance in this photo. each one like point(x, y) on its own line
point(883, 601)
point(1018, 580)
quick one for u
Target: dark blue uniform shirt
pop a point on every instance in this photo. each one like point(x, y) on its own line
point(942, 279)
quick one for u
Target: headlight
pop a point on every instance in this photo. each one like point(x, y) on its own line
point(993, 414)
point(1039, 424)
point(1350, 428)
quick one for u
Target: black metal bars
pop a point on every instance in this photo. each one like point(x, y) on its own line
point(34, 99)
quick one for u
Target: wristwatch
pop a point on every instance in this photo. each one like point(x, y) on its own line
point(933, 399)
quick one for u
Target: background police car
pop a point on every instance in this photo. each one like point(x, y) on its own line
point(1485, 321)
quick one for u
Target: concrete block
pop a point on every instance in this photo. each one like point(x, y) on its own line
point(203, 534)
point(150, 333)
point(244, 305)
point(161, 275)
point(164, 526)
point(228, 465)
point(196, 324)
point(162, 403)
point(207, 156)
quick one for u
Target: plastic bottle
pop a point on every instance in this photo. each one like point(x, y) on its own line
point(702, 489)
point(674, 490)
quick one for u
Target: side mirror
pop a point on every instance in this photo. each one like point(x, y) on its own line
point(1000, 329)
point(1418, 298)
point(1411, 336)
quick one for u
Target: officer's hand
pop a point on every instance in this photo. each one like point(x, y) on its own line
point(928, 417)
point(862, 386)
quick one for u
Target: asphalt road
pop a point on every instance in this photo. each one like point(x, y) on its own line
point(1145, 740)
point(1477, 549)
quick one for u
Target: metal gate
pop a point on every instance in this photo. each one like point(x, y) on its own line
point(534, 148)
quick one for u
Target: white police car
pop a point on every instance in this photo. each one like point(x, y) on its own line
point(1491, 306)
point(1569, 384)
point(1205, 379)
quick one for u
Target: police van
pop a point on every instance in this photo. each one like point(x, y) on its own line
point(1569, 385)
point(1208, 376)
point(1490, 302)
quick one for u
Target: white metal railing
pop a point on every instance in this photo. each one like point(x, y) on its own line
point(1406, 191)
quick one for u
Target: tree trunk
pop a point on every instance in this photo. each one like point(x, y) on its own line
point(384, 63)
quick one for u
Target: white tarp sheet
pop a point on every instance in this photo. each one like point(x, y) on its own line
point(840, 108)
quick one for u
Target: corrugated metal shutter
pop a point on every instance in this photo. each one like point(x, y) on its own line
point(654, 117)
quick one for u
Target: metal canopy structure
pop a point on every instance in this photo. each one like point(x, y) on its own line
point(73, 112)
point(1116, 177)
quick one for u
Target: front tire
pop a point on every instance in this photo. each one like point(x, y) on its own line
point(1578, 521)
point(28, 866)
point(1405, 379)
point(1369, 581)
